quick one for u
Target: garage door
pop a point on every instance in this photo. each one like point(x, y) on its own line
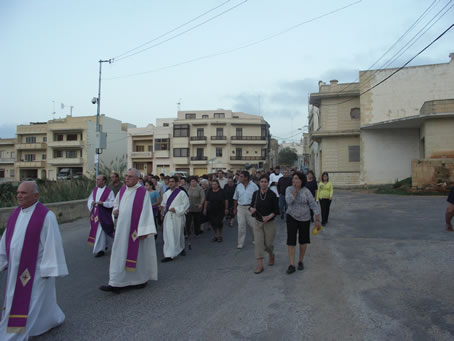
point(200, 171)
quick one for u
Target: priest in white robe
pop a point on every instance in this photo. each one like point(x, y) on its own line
point(174, 205)
point(32, 241)
point(133, 260)
point(101, 198)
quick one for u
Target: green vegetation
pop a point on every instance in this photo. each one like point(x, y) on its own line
point(287, 156)
point(403, 187)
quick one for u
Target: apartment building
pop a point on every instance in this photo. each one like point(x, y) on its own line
point(44, 149)
point(392, 131)
point(7, 160)
point(199, 142)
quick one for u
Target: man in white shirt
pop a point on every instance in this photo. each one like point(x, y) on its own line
point(242, 200)
point(274, 178)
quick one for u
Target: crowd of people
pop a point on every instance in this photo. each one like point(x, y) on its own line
point(125, 219)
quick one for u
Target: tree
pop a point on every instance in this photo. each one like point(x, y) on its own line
point(287, 156)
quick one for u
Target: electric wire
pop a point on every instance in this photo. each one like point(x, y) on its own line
point(246, 45)
point(171, 31)
point(183, 32)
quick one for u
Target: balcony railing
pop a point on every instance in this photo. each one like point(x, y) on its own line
point(249, 138)
point(142, 154)
point(199, 158)
point(7, 160)
point(219, 137)
point(198, 138)
point(247, 158)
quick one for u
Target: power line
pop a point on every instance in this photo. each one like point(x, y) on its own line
point(246, 45)
point(172, 30)
point(399, 69)
point(392, 58)
point(183, 32)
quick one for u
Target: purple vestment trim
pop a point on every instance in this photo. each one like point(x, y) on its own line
point(27, 266)
point(94, 215)
point(172, 197)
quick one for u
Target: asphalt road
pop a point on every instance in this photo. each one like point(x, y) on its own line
point(382, 269)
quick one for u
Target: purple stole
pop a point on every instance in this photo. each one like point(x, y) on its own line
point(133, 241)
point(172, 197)
point(94, 214)
point(18, 314)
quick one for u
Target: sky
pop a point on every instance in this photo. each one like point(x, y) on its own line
point(50, 52)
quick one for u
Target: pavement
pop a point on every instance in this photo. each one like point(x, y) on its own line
point(382, 269)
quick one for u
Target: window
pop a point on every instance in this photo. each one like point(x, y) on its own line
point(239, 153)
point(200, 132)
point(190, 116)
point(58, 137)
point(71, 137)
point(263, 133)
point(239, 131)
point(12, 174)
point(180, 152)
point(43, 157)
point(263, 153)
point(355, 114)
point(219, 131)
point(218, 151)
point(205, 116)
point(353, 153)
point(150, 147)
point(161, 144)
point(2, 173)
point(199, 152)
point(165, 125)
point(13, 155)
point(181, 130)
point(58, 153)
point(29, 157)
point(219, 115)
point(139, 165)
point(71, 154)
point(45, 139)
point(140, 148)
point(30, 139)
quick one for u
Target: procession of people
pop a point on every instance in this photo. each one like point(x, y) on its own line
point(125, 220)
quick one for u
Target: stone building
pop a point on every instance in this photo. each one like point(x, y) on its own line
point(7, 160)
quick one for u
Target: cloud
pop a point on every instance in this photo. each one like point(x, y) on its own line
point(7, 131)
point(248, 102)
point(294, 92)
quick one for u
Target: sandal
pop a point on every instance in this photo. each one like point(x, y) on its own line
point(214, 239)
point(220, 239)
point(258, 271)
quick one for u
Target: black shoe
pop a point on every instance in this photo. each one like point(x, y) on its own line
point(291, 269)
point(100, 254)
point(110, 288)
point(166, 259)
point(183, 253)
point(300, 266)
point(139, 286)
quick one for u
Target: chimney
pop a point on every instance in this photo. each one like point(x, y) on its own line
point(333, 81)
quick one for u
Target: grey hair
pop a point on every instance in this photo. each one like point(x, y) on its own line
point(35, 187)
point(135, 171)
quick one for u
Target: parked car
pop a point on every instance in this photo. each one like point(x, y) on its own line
point(180, 173)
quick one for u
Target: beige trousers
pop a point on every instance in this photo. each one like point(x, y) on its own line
point(264, 234)
point(244, 219)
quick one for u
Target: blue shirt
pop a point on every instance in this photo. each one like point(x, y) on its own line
point(244, 194)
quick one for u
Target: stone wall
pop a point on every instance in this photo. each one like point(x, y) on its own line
point(65, 211)
point(431, 172)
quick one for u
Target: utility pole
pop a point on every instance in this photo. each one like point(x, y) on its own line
point(97, 100)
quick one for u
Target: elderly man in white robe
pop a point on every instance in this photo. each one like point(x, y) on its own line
point(174, 205)
point(133, 260)
point(31, 250)
point(100, 204)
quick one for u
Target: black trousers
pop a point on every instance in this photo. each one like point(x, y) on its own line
point(190, 218)
point(324, 206)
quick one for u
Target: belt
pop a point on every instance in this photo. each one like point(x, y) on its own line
point(244, 205)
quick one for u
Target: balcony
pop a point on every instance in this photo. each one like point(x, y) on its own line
point(142, 155)
point(31, 146)
point(248, 139)
point(161, 154)
point(6, 160)
point(218, 139)
point(198, 139)
point(63, 144)
point(199, 159)
point(247, 158)
point(66, 161)
point(31, 164)
point(181, 160)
